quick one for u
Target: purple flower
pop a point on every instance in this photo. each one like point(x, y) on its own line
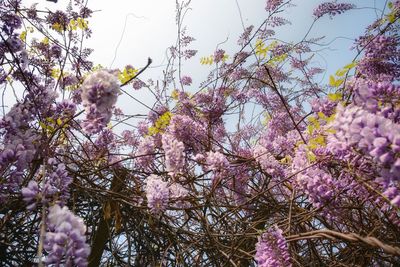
point(30, 193)
point(186, 80)
point(267, 161)
point(14, 43)
point(178, 193)
point(55, 51)
point(99, 94)
point(137, 84)
point(272, 249)
point(65, 240)
point(245, 36)
point(371, 134)
point(332, 9)
point(144, 155)
point(216, 161)
point(157, 194)
point(219, 55)
point(174, 153)
point(271, 5)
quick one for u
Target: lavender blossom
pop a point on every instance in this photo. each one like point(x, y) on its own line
point(219, 55)
point(186, 80)
point(272, 5)
point(371, 134)
point(174, 153)
point(65, 240)
point(272, 249)
point(157, 193)
point(99, 93)
point(332, 9)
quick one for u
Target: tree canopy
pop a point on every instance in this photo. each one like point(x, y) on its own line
point(264, 163)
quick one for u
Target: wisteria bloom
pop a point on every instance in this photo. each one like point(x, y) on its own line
point(174, 153)
point(99, 93)
point(144, 155)
point(216, 161)
point(65, 240)
point(177, 194)
point(219, 55)
point(332, 9)
point(372, 134)
point(186, 80)
point(272, 249)
point(267, 161)
point(157, 194)
point(271, 5)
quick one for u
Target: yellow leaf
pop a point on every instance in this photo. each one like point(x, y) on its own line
point(339, 82)
point(392, 17)
point(207, 60)
point(43, 125)
point(127, 74)
point(175, 94)
point(320, 140)
point(317, 125)
point(97, 67)
point(341, 72)
point(310, 129)
point(22, 36)
point(45, 41)
point(73, 25)
point(335, 97)
point(9, 80)
point(161, 123)
point(321, 115)
point(331, 118)
point(312, 119)
point(82, 24)
point(312, 145)
point(311, 156)
point(332, 80)
point(350, 66)
point(331, 131)
point(57, 27)
point(55, 73)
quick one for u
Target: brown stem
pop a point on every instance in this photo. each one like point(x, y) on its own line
point(102, 233)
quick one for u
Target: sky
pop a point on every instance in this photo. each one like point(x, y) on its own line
point(129, 31)
point(150, 28)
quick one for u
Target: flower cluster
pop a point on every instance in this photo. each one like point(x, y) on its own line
point(219, 55)
point(145, 153)
point(19, 140)
point(55, 187)
point(372, 134)
point(381, 57)
point(273, 4)
point(157, 194)
point(216, 161)
point(267, 161)
point(272, 249)
point(332, 9)
point(99, 94)
point(186, 80)
point(65, 240)
point(174, 153)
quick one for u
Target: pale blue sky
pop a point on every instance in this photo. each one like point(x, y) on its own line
point(150, 29)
